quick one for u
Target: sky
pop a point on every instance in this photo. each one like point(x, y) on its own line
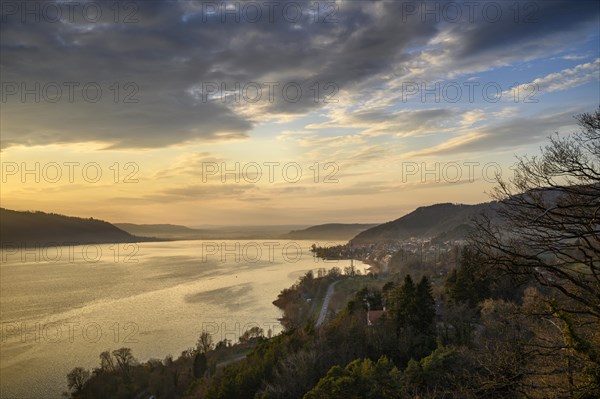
point(277, 113)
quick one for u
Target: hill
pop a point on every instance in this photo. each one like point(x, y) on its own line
point(179, 232)
point(165, 231)
point(331, 231)
point(442, 221)
point(44, 229)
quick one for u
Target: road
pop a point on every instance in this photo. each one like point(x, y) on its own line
point(328, 296)
point(229, 361)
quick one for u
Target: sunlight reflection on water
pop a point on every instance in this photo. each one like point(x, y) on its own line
point(58, 314)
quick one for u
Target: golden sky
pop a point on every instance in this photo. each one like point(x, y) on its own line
point(184, 115)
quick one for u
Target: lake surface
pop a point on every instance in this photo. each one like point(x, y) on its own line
point(60, 307)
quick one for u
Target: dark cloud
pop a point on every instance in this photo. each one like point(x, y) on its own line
point(170, 48)
point(524, 24)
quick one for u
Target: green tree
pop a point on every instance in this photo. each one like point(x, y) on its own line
point(402, 304)
point(443, 371)
point(424, 317)
point(412, 310)
point(200, 365)
point(361, 379)
point(470, 283)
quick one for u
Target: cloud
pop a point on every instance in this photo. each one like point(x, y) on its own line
point(514, 132)
point(565, 79)
point(377, 122)
point(541, 28)
point(188, 165)
point(173, 48)
point(574, 57)
point(145, 125)
point(198, 193)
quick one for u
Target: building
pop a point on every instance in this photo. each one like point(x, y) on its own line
point(373, 316)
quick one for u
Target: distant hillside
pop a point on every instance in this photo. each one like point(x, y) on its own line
point(331, 231)
point(442, 221)
point(166, 231)
point(39, 228)
point(179, 232)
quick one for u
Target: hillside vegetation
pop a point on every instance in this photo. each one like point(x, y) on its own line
point(41, 229)
point(330, 231)
point(449, 220)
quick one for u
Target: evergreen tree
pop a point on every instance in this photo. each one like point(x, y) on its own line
point(404, 303)
point(200, 364)
point(468, 284)
point(423, 319)
point(359, 379)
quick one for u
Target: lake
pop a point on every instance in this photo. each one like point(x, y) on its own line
point(60, 307)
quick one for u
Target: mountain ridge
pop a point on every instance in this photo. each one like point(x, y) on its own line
point(443, 220)
point(37, 228)
point(329, 231)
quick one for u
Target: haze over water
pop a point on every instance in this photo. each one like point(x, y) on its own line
point(57, 314)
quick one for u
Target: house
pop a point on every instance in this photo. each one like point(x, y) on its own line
point(373, 316)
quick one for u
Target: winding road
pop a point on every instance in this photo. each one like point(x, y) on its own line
point(328, 296)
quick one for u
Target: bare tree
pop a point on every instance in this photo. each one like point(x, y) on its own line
point(106, 362)
point(295, 375)
point(550, 219)
point(545, 228)
point(124, 359)
point(77, 378)
point(205, 342)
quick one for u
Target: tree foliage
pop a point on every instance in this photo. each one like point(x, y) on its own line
point(361, 379)
point(468, 284)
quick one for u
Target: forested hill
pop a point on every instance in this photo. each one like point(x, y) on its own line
point(165, 231)
point(330, 231)
point(451, 221)
point(41, 229)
